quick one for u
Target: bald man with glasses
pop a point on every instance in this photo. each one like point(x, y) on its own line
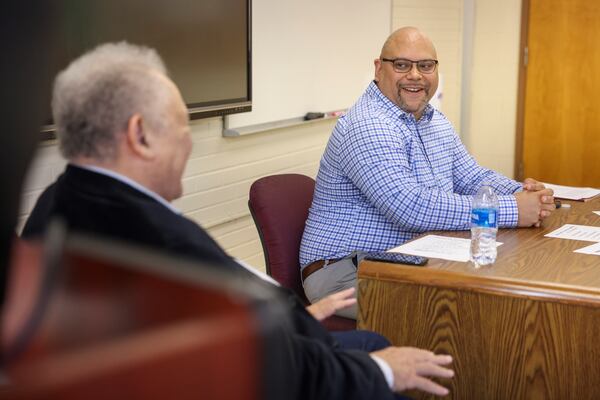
point(394, 168)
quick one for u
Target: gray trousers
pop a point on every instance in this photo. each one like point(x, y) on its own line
point(333, 278)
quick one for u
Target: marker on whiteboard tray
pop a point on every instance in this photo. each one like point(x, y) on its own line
point(313, 115)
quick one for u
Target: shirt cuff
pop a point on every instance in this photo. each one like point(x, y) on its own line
point(385, 369)
point(509, 212)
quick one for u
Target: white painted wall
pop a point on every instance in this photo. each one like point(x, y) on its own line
point(492, 118)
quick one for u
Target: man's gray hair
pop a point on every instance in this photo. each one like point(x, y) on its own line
point(96, 95)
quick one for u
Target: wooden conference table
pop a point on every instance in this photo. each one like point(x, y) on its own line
point(527, 327)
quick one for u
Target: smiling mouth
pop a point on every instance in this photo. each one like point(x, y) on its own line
point(413, 89)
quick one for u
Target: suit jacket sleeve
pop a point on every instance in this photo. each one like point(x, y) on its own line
point(323, 372)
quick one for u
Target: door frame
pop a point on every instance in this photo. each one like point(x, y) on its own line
point(521, 91)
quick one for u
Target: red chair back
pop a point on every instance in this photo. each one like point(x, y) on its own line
point(116, 327)
point(279, 205)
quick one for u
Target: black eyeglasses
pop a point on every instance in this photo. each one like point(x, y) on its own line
point(403, 65)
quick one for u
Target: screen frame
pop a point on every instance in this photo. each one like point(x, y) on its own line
point(205, 109)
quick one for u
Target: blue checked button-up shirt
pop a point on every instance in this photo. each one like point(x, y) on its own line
point(385, 178)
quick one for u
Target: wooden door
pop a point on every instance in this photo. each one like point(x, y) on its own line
point(561, 126)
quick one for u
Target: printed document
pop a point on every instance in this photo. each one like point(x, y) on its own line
point(576, 232)
point(572, 193)
point(593, 249)
point(434, 246)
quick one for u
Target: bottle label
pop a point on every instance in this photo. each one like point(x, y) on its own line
point(484, 217)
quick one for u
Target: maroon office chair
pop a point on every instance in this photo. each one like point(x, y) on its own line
point(279, 206)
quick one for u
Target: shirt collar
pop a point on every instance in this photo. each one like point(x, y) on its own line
point(128, 182)
point(373, 91)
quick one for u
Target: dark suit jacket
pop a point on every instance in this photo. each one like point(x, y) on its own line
point(98, 204)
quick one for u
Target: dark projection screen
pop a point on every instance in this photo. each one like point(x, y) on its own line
point(205, 43)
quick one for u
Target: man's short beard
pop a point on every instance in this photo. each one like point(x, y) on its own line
point(404, 107)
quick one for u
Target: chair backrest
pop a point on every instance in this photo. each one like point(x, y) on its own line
point(279, 205)
point(123, 322)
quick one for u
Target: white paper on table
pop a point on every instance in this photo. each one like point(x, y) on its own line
point(593, 249)
point(572, 193)
point(596, 212)
point(576, 232)
point(435, 246)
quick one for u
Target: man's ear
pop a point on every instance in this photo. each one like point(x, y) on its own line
point(138, 137)
point(377, 63)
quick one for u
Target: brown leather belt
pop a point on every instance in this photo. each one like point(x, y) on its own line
point(314, 267)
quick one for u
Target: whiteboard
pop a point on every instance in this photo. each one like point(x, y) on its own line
point(310, 55)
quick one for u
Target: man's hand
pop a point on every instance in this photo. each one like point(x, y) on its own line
point(531, 185)
point(412, 366)
point(327, 306)
point(534, 206)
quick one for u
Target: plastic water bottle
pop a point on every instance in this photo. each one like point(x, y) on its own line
point(484, 226)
